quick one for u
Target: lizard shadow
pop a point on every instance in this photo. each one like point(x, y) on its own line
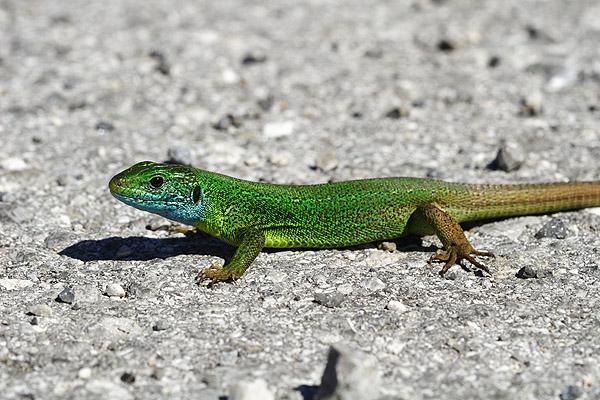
point(140, 248)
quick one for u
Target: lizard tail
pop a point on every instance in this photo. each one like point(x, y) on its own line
point(496, 201)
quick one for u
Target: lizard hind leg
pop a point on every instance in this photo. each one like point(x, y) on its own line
point(456, 246)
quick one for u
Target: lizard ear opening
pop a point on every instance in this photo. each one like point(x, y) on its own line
point(196, 194)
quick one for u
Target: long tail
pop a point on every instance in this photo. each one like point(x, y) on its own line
point(496, 201)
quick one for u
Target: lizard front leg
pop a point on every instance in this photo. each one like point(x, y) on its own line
point(456, 245)
point(252, 242)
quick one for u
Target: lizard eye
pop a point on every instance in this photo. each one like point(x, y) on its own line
point(196, 194)
point(157, 181)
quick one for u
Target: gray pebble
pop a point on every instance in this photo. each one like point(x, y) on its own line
point(531, 105)
point(397, 112)
point(128, 377)
point(180, 155)
point(510, 157)
point(104, 126)
point(349, 374)
point(526, 273)
point(254, 57)
point(114, 290)
point(571, 392)
point(34, 321)
point(330, 300)
point(554, 228)
point(66, 296)
point(160, 325)
point(326, 161)
point(124, 251)
point(226, 122)
point(40, 310)
point(374, 284)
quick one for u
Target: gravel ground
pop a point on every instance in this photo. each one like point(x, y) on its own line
point(97, 300)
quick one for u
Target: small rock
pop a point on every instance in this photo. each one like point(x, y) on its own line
point(494, 61)
point(571, 392)
point(329, 300)
point(128, 377)
point(279, 159)
point(255, 390)
point(254, 57)
point(349, 374)
point(374, 284)
point(124, 251)
point(446, 45)
point(34, 321)
point(13, 164)
point(387, 246)
point(114, 290)
point(230, 77)
point(510, 157)
point(226, 122)
point(162, 65)
point(160, 325)
point(84, 373)
point(180, 155)
point(274, 130)
point(158, 373)
point(66, 296)
point(374, 53)
point(531, 105)
point(40, 310)
point(266, 102)
point(104, 126)
point(526, 273)
point(326, 161)
point(397, 112)
point(554, 229)
point(15, 284)
point(396, 306)
point(562, 80)
point(113, 329)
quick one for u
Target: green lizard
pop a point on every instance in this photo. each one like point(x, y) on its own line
point(253, 215)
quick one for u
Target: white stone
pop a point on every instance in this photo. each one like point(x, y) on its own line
point(85, 373)
point(230, 77)
point(274, 130)
point(15, 284)
point(114, 290)
point(397, 306)
point(13, 164)
point(255, 390)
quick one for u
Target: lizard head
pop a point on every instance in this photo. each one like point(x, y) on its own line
point(169, 190)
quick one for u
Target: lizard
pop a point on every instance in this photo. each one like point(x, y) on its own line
point(256, 215)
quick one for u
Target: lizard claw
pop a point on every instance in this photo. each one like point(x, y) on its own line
point(216, 273)
point(457, 254)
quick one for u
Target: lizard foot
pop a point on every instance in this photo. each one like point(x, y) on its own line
point(457, 254)
point(217, 273)
point(186, 230)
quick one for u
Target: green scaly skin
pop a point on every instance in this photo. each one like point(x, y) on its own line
point(253, 215)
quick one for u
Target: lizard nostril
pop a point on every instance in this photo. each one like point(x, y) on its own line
point(116, 182)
